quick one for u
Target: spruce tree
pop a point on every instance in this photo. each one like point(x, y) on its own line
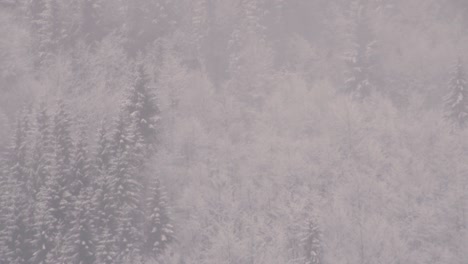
point(311, 241)
point(46, 219)
point(106, 249)
point(41, 160)
point(54, 200)
point(159, 231)
point(5, 203)
point(50, 31)
point(105, 215)
point(18, 218)
point(81, 236)
point(63, 162)
point(140, 104)
point(81, 232)
point(456, 102)
point(360, 58)
point(81, 166)
point(103, 185)
point(89, 26)
point(126, 189)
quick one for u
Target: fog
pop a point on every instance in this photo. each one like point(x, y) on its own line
point(233, 131)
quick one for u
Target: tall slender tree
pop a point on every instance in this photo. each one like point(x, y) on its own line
point(50, 31)
point(18, 232)
point(360, 57)
point(312, 242)
point(140, 104)
point(159, 231)
point(126, 189)
point(41, 160)
point(456, 102)
point(63, 160)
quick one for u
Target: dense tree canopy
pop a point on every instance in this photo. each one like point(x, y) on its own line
point(220, 131)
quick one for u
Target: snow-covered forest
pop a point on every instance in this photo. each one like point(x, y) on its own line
point(233, 131)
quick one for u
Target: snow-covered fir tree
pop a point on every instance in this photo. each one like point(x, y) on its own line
point(126, 189)
point(89, 27)
point(63, 161)
point(159, 232)
point(17, 234)
point(50, 31)
point(103, 199)
point(456, 102)
point(312, 242)
point(360, 57)
point(46, 221)
point(82, 231)
point(41, 160)
point(141, 105)
point(81, 166)
point(53, 207)
point(82, 236)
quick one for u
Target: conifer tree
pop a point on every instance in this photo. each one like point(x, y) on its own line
point(456, 102)
point(103, 150)
point(50, 30)
point(103, 185)
point(5, 202)
point(106, 248)
point(360, 58)
point(53, 206)
point(105, 216)
point(46, 223)
point(42, 151)
point(89, 26)
point(158, 225)
point(81, 166)
point(18, 218)
point(81, 232)
point(311, 241)
point(126, 189)
point(81, 235)
point(61, 253)
point(140, 104)
point(63, 162)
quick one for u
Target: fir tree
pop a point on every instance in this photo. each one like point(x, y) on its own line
point(311, 241)
point(81, 232)
point(89, 26)
point(103, 186)
point(81, 236)
point(126, 189)
point(456, 102)
point(46, 219)
point(18, 218)
point(42, 151)
point(81, 167)
point(141, 105)
point(360, 59)
point(63, 162)
point(61, 253)
point(106, 249)
point(158, 227)
point(50, 32)
point(105, 216)
point(54, 199)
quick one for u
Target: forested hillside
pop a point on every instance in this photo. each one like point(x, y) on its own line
point(233, 131)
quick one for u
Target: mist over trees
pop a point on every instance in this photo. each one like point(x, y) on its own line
point(221, 131)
